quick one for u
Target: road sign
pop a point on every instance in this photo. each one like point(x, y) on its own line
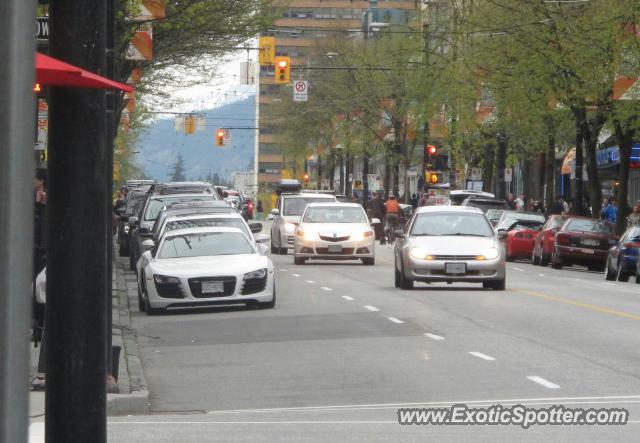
point(300, 89)
point(508, 174)
point(476, 174)
point(227, 135)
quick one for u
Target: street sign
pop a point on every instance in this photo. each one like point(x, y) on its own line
point(300, 91)
point(42, 28)
point(508, 175)
point(227, 135)
point(476, 174)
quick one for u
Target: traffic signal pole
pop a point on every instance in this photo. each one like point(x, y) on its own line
point(17, 101)
point(76, 317)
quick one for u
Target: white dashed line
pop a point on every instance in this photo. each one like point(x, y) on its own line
point(482, 356)
point(309, 281)
point(372, 308)
point(518, 269)
point(434, 336)
point(543, 382)
point(346, 297)
point(540, 275)
point(608, 283)
point(296, 275)
point(324, 288)
point(284, 270)
point(395, 320)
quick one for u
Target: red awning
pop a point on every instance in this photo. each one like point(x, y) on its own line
point(53, 72)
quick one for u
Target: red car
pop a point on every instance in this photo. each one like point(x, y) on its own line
point(584, 241)
point(521, 235)
point(545, 240)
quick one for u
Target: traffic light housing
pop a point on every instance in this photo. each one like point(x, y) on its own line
point(431, 149)
point(220, 137)
point(305, 177)
point(283, 70)
point(433, 177)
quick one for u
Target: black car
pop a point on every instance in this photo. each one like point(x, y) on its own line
point(131, 206)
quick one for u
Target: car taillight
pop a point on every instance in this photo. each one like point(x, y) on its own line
point(631, 244)
point(250, 206)
point(519, 235)
point(562, 239)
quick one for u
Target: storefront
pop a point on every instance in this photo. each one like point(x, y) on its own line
point(608, 162)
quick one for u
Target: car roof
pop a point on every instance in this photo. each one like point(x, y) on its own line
point(202, 215)
point(444, 208)
point(471, 192)
point(334, 204)
point(204, 229)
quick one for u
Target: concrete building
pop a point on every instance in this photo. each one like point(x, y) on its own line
point(302, 25)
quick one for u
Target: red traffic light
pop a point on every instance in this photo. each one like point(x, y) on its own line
point(305, 177)
point(431, 149)
point(220, 137)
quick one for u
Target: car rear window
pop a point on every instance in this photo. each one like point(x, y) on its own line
point(296, 205)
point(589, 226)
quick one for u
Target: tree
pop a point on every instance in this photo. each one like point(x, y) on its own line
point(178, 174)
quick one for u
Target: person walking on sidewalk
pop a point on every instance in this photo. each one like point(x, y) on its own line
point(378, 210)
point(259, 210)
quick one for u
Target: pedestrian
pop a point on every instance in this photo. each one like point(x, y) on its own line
point(511, 201)
point(609, 212)
point(558, 206)
point(377, 210)
point(259, 210)
point(414, 201)
point(423, 200)
point(519, 203)
point(634, 218)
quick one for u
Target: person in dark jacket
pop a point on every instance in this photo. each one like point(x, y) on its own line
point(378, 210)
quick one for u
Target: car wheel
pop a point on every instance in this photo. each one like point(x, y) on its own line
point(269, 304)
point(397, 277)
point(141, 303)
point(498, 285)
point(368, 261)
point(147, 305)
point(405, 283)
point(608, 273)
point(622, 275)
point(299, 260)
point(638, 277)
point(535, 260)
point(544, 259)
point(555, 261)
point(274, 250)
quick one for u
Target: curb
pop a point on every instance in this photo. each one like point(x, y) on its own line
point(137, 401)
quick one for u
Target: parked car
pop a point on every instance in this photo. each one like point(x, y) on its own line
point(286, 217)
point(334, 231)
point(622, 260)
point(520, 216)
point(583, 241)
point(449, 244)
point(133, 201)
point(494, 215)
point(457, 196)
point(546, 239)
point(207, 266)
point(485, 203)
point(521, 236)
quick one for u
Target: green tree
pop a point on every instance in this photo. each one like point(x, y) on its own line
point(178, 172)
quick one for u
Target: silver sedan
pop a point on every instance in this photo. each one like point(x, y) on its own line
point(449, 244)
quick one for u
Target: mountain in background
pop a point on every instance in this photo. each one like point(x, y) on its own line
point(161, 143)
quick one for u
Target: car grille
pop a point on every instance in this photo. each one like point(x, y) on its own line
point(335, 239)
point(291, 240)
point(345, 251)
point(254, 285)
point(169, 290)
point(454, 257)
point(195, 284)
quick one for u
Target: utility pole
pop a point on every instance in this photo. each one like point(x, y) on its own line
point(77, 265)
point(17, 101)
point(501, 138)
point(579, 190)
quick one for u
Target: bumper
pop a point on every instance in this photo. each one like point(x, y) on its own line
point(521, 249)
point(287, 239)
point(576, 254)
point(435, 270)
point(350, 250)
point(187, 300)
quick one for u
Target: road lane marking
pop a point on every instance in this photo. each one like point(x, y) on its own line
point(395, 320)
point(434, 336)
point(296, 275)
point(324, 288)
point(284, 270)
point(579, 304)
point(482, 356)
point(518, 269)
point(608, 284)
point(540, 275)
point(309, 281)
point(372, 308)
point(543, 382)
point(346, 297)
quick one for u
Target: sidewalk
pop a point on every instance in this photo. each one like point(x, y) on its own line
point(134, 395)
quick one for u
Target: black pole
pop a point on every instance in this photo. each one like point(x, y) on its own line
point(110, 136)
point(502, 161)
point(75, 402)
point(578, 186)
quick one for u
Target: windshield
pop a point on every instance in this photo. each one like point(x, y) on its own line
point(585, 225)
point(207, 222)
point(156, 204)
point(453, 223)
point(515, 215)
point(205, 245)
point(333, 214)
point(297, 205)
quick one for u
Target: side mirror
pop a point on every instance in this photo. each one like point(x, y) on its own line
point(145, 230)
point(148, 244)
point(375, 221)
point(275, 211)
point(133, 221)
point(502, 234)
point(263, 249)
point(262, 238)
point(255, 227)
point(399, 233)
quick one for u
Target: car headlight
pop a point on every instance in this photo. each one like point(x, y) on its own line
point(491, 253)
point(260, 273)
point(290, 227)
point(165, 280)
point(420, 253)
point(357, 236)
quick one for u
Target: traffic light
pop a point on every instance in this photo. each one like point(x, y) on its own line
point(283, 70)
point(431, 150)
point(220, 137)
point(433, 177)
point(305, 177)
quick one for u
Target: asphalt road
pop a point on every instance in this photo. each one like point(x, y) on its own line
point(344, 349)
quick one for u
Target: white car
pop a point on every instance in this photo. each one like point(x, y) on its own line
point(287, 216)
point(206, 266)
point(334, 231)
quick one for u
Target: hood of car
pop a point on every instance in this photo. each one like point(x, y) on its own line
point(453, 245)
point(220, 265)
point(340, 229)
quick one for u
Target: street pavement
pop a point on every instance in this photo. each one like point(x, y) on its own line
point(344, 349)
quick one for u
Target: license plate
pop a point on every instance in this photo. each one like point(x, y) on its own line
point(587, 251)
point(212, 287)
point(455, 268)
point(335, 249)
point(590, 242)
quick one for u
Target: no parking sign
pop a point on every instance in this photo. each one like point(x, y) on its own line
point(300, 91)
